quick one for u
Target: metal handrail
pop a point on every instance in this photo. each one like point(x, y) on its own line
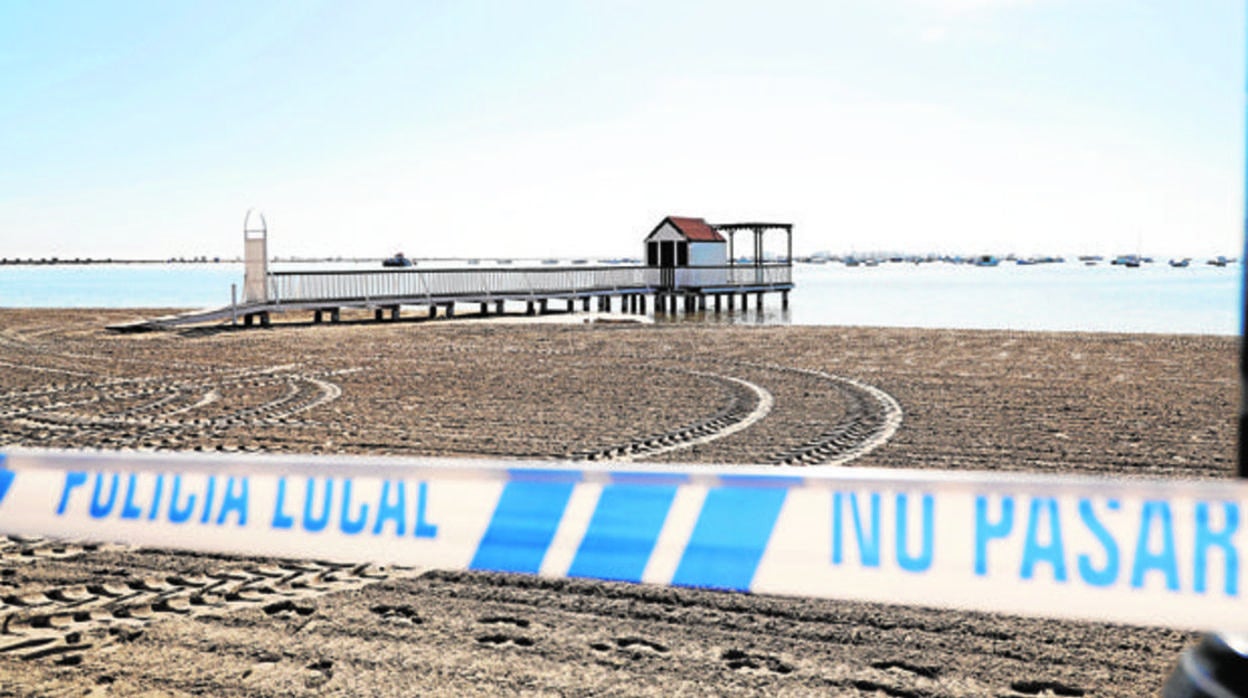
point(328, 285)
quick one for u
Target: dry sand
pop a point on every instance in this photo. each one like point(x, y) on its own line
point(97, 619)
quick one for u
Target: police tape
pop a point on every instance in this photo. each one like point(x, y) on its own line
point(1135, 551)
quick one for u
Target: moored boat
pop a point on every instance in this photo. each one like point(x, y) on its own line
point(398, 260)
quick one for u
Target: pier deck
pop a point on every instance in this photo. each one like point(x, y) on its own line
point(387, 291)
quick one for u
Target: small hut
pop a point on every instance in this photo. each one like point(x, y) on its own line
point(684, 242)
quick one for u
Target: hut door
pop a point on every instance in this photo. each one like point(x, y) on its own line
point(667, 260)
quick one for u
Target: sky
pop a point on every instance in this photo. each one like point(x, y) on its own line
point(547, 128)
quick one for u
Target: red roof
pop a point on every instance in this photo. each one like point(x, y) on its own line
point(695, 229)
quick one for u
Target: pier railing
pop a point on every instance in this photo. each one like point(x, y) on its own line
point(477, 283)
point(727, 277)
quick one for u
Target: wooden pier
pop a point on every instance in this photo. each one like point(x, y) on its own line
point(664, 286)
point(533, 291)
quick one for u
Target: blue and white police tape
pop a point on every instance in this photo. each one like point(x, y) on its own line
point(1122, 550)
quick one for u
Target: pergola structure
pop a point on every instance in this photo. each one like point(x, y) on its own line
point(759, 229)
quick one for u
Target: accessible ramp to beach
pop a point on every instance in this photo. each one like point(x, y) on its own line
point(190, 317)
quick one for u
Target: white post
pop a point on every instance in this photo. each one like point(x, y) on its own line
point(255, 259)
point(234, 304)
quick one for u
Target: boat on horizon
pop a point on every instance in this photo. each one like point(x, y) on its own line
point(397, 260)
point(1180, 263)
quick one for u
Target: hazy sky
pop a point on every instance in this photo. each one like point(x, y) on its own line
point(535, 128)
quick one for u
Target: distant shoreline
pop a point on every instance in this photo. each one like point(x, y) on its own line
point(78, 261)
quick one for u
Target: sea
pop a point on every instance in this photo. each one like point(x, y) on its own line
point(1069, 296)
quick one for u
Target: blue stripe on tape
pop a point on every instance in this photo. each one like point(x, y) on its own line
point(622, 532)
point(762, 480)
point(729, 538)
point(523, 525)
point(6, 477)
point(543, 475)
point(633, 477)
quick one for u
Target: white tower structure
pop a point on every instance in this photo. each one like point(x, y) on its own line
point(255, 258)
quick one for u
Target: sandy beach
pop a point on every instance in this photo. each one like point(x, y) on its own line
point(86, 618)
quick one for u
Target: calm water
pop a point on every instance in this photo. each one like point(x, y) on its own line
point(1155, 298)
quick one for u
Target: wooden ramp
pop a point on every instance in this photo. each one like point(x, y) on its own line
point(190, 317)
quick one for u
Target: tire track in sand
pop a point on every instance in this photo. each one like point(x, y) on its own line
point(740, 415)
point(60, 622)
